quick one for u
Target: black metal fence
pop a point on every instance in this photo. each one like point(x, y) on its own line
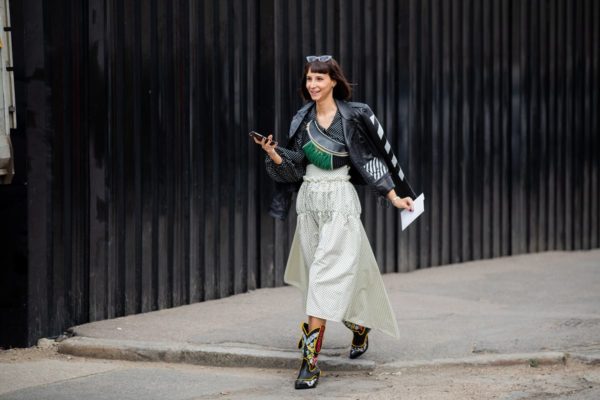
point(144, 191)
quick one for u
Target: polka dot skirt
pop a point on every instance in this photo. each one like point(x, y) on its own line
point(331, 259)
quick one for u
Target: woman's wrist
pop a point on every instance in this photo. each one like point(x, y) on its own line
point(392, 196)
point(274, 156)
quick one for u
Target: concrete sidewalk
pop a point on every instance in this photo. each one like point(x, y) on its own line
point(532, 308)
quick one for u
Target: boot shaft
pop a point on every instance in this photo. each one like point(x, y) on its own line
point(310, 343)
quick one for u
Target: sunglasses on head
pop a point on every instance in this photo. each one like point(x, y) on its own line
point(325, 58)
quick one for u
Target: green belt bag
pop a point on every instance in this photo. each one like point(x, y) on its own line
point(321, 150)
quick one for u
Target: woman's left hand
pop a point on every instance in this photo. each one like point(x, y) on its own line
point(405, 202)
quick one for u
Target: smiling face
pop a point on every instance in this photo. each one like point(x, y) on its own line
point(319, 86)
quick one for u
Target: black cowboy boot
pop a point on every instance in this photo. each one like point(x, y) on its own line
point(310, 343)
point(360, 341)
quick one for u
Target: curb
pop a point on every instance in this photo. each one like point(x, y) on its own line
point(588, 359)
point(226, 356)
point(531, 359)
point(211, 355)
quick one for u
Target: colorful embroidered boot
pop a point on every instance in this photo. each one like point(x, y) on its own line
point(310, 343)
point(360, 341)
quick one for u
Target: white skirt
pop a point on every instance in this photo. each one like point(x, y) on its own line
point(331, 260)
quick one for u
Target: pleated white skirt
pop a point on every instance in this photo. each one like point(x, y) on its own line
point(331, 260)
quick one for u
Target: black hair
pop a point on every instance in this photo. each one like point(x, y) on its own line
point(342, 89)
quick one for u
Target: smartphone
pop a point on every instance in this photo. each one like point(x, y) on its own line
point(258, 136)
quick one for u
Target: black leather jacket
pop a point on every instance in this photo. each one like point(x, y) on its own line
point(360, 150)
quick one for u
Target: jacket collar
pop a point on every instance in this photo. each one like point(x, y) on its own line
point(343, 107)
point(299, 117)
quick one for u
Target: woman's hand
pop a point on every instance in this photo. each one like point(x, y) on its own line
point(268, 145)
point(405, 202)
point(400, 202)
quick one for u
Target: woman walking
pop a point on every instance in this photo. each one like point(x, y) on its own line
point(333, 142)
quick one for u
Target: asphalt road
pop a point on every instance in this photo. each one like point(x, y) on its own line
point(42, 374)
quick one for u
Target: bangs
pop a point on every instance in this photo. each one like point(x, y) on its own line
point(318, 67)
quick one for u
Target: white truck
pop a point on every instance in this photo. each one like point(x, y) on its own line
point(8, 118)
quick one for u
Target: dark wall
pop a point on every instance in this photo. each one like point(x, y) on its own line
point(144, 191)
point(13, 227)
point(13, 271)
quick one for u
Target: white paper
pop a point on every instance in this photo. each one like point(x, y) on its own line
point(408, 217)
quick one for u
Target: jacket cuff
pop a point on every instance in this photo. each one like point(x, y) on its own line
point(384, 184)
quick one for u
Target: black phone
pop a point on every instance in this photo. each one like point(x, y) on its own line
point(258, 136)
